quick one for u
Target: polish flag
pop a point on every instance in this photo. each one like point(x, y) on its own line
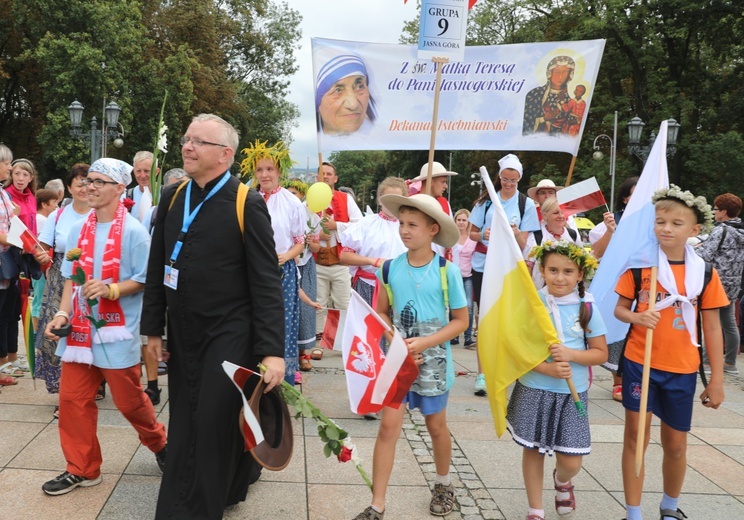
point(582, 196)
point(20, 236)
point(333, 332)
point(249, 426)
point(374, 380)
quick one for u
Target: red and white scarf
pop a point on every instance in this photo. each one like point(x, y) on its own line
point(80, 340)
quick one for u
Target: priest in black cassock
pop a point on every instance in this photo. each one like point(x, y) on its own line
point(222, 295)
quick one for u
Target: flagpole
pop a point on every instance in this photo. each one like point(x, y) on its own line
point(570, 171)
point(641, 437)
point(576, 399)
point(434, 117)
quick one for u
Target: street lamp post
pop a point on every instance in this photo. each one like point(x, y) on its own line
point(98, 139)
point(598, 156)
point(635, 129)
point(477, 180)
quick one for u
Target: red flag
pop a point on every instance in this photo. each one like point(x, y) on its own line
point(20, 236)
point(374, 381)
point(333, 330)
point(471, 3)
point(582, 196)
point(250, 426)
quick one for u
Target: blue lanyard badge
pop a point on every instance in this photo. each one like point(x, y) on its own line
point(189, 216)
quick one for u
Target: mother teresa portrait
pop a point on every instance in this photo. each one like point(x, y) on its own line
point(343, 102)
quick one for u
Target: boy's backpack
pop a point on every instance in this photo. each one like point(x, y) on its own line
point(239, 203)
point(442, 277)
point(539, 235)
point(637, 284)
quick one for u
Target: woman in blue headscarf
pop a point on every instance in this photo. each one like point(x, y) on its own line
point(343, 102)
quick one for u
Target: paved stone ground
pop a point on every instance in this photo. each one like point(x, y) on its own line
point(486, 470)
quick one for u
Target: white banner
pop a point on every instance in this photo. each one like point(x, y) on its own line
point(531, 96)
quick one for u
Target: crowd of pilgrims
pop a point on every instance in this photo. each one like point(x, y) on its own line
point(322, 255)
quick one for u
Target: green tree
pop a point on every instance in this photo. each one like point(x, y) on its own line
point(227, 57)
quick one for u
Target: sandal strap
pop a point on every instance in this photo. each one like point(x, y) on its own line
point(678, 514)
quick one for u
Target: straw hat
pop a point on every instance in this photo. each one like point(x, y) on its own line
point(275, 452)
point(545, 183)
point(437, 170)
point(448, 232)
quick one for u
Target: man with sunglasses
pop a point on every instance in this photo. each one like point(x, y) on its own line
point(223, 297)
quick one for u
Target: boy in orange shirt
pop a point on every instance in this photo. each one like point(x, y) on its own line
point(675, 359)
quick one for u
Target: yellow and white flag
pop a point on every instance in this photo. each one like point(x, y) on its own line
point(514, 330)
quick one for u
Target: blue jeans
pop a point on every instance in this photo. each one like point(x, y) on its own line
point(468, 284)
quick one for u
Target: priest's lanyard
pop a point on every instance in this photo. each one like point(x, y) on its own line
point(171, 274)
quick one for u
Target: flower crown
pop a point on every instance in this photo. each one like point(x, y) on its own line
point(699, 205)
point(297, 184)
point(257, 151)
point(583, 258)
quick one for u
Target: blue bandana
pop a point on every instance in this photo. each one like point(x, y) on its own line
point(116, 170)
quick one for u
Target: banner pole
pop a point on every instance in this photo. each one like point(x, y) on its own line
point(642, 410)
point(434, 117)
point(570, 171)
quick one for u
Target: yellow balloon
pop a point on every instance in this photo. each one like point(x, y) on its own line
point(319, 197)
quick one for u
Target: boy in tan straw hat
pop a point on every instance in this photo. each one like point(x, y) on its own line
point(439, 181)
point(421, 288)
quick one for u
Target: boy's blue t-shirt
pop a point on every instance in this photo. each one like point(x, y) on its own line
point(482, 218)
point(573, 336)
point(135, 250)
point(421, 312)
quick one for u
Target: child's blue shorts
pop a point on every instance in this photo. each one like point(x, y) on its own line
point(429, 405)
point(670, 395)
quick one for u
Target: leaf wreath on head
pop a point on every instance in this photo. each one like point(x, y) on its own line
point(257, 151)
point(584, 259)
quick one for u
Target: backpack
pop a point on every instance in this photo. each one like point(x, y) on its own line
point(239, 203)
point(521, 203)
point(442, 276)
point(637, 284)
point(539, 235)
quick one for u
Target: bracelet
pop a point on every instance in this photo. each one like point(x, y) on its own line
point(114, 291)
point(62, 313)
point(378, 262)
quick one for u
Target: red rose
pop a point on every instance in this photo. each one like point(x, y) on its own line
point(128, 203)
point(345, 455)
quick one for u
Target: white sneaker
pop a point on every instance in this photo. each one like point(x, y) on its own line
point(730, 369)
point(480, 385)
point(20, 365)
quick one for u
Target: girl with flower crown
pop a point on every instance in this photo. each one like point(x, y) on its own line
point(268, 166)
point(541, 413)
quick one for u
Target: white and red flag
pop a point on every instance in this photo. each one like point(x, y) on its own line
point(471, 3)
point(333, 331)
point(580, 197)
point(374, 380)
point(20, 236)
point(251, 428)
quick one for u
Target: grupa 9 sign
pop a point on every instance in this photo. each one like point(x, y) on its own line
point(442, 29)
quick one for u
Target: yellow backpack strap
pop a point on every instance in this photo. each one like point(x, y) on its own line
point(175, 195)
point(445, 286)
point(240, 207)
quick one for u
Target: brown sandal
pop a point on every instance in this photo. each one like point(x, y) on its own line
point(442, 500)
point(316, 354)
point(305, 364)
